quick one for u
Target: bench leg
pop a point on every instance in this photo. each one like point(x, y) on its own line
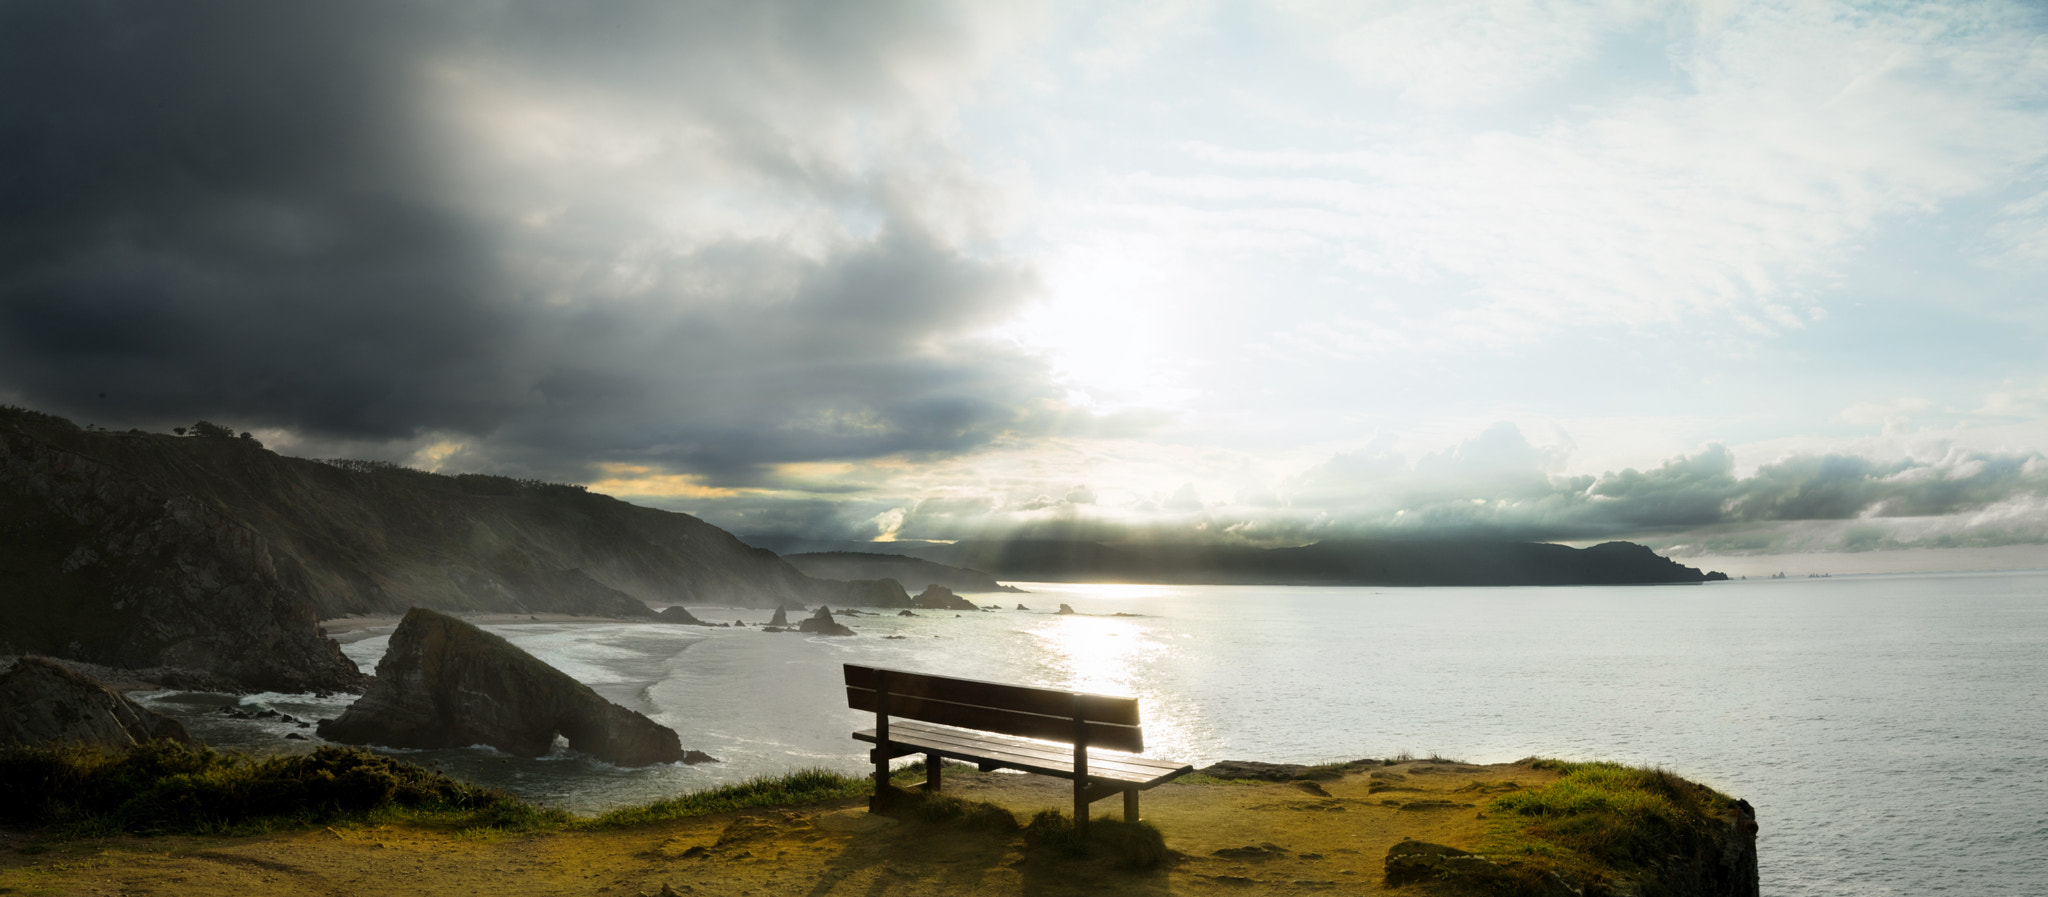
point(931, 773)
point(881, 798)
point(1131, 805)
point(1080, 808)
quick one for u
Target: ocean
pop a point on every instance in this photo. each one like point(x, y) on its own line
point(1892, 731)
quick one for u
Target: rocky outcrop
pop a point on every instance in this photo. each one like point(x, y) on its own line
point(445, 683)
point(1719, 863)
point(100, 564)
point(680, 614)
point(872, 593)
point(1064, 609)
point(938, 597)
point(781, 618)
point(42, 702)
point(821, 623)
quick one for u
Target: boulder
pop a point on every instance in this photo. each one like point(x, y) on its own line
point(938, 597)
point(1065, 609)
point(822, 623)
point(445, 683)
point(42, 702)
point(781, 618)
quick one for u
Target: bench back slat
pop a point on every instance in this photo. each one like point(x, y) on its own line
point(1023, 711)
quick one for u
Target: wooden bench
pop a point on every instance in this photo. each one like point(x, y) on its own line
point(903, 702)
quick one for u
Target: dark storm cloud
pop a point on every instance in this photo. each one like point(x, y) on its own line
point(223, 208)
point(273, 215)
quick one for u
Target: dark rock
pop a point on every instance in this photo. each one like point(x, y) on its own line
point(294, 736)
point(1280, 772)
point(937, 597)
point(1064, 609)
point(445, 683)
point(107, 563)
point(1022, 607)
point(822, 623)
point(679, 614)
point(1410, 862)
point(905, 613)
point(781, 618)
point(42, 702)
point(872, 593)
point(1268, 851)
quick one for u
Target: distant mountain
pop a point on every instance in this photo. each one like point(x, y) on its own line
point(916, 574)
point(212, 555)
point(1387, 562)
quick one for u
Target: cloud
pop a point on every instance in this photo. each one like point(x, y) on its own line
point(643, 233)
point(1720, 173)
point(1693, 492)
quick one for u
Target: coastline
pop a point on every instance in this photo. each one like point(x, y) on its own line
point(337, 626)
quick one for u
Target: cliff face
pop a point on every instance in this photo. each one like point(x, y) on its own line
point(210, 553)
point(445, 683)
point(43, 703)
point(98, 565)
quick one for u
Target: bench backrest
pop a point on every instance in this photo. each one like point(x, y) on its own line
point(1020, 710)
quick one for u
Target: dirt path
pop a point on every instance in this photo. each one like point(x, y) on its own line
point(1234, 839)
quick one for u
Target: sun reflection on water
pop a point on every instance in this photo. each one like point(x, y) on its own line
point(1095, 654)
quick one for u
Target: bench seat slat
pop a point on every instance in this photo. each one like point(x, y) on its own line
point(1028, 756)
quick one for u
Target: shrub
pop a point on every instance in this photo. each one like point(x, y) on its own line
point(1598, 817)
point(169, 787)
point(1132, 845)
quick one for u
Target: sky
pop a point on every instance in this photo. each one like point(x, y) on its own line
point(1729, 279)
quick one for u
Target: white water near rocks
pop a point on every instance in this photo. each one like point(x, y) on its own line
point(1892, 731)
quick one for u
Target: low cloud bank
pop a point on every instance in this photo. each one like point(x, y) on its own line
point(1495, 487)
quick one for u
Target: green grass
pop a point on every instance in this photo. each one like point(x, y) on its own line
point(1598, 819)
point(169, 788)
point(787, 789)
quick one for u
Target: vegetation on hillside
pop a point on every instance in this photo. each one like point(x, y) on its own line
point(164, 787)
point(1601, 820)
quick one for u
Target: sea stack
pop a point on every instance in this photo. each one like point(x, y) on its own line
point(680, 614)
point(822, 623)
point(938, 597)
point(446, 683)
